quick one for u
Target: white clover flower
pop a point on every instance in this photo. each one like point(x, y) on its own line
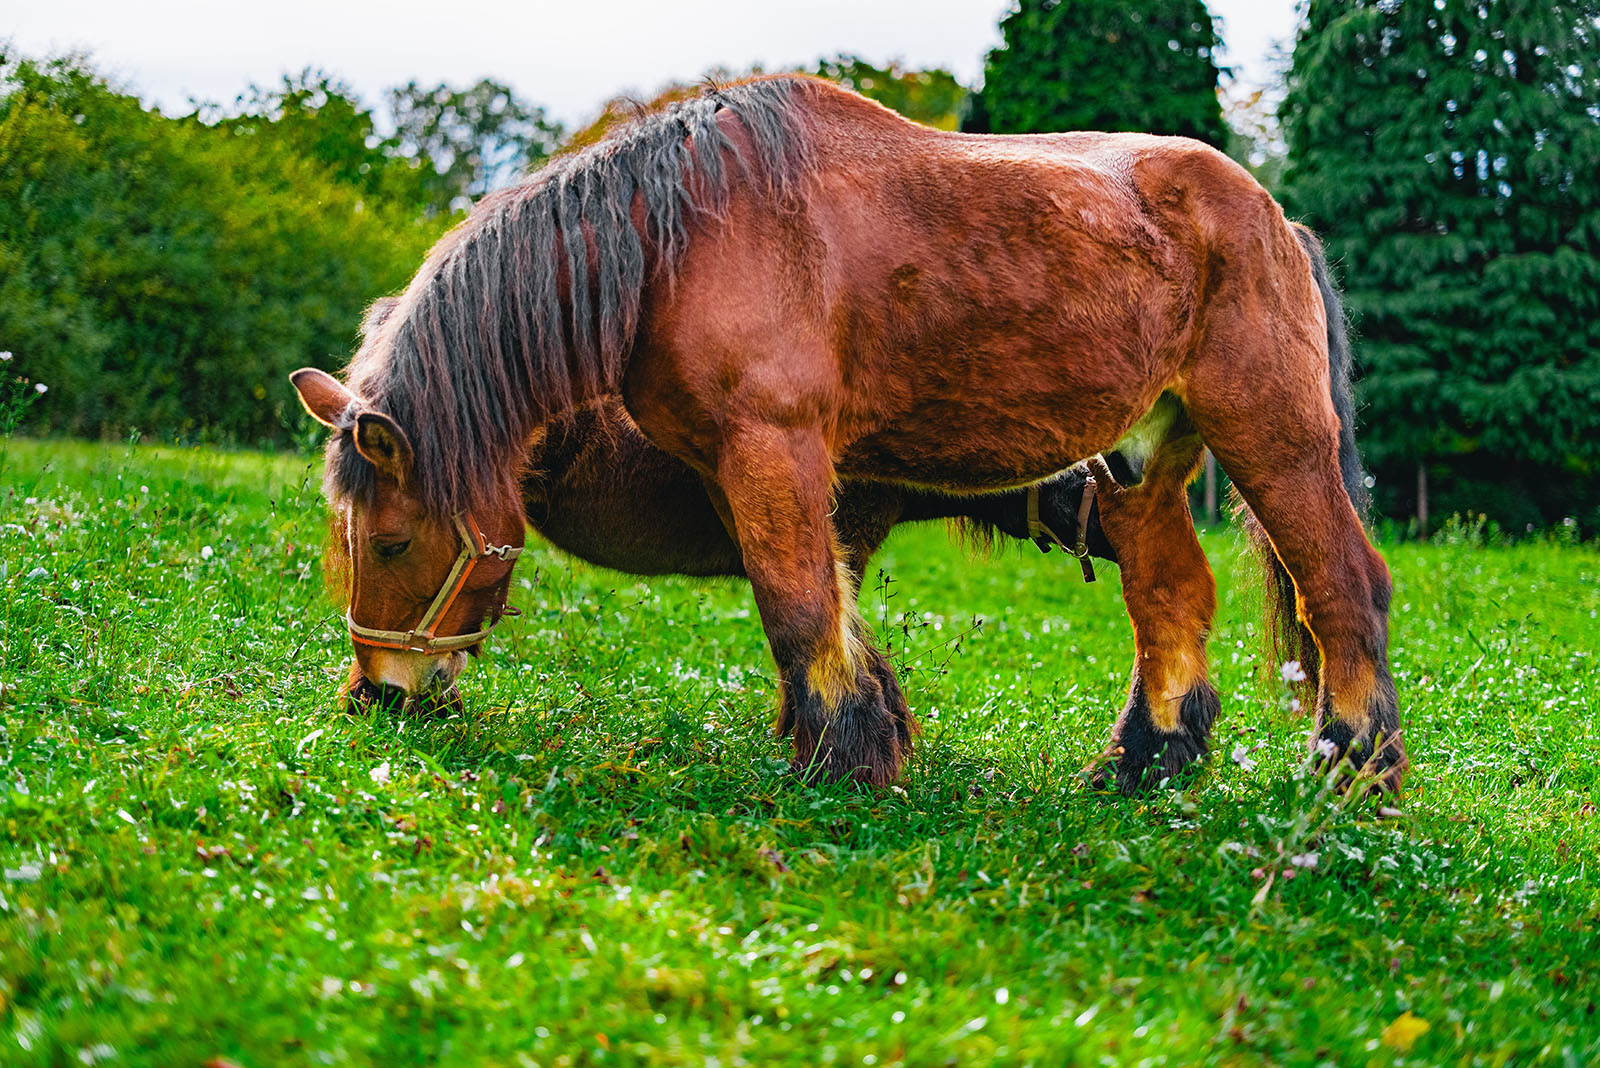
point(1292, 671)
point(1326, 748)
point(1241, 757)
point(1304, 860)
point(206, 552)
point(380, 774)
point(40, 387)
point(5, 357)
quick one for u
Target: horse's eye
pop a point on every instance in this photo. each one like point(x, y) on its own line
point(390, 550)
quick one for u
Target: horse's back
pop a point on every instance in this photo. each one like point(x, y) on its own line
point(924, 281)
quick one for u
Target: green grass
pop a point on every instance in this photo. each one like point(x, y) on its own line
point(605, 861)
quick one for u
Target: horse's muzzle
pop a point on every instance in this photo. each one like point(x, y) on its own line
point(394, 681)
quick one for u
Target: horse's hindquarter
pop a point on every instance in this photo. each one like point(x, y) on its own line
point(1000, 307)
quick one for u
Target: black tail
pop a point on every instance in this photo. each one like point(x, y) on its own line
point(1289, 638)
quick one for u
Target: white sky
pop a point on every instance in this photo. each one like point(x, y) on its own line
point(568, 56)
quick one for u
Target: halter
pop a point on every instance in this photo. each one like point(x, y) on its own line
point(420, 639)
point(1038, 530)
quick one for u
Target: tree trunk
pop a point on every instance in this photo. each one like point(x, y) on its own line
point(1211, 487)
point(1422, 499)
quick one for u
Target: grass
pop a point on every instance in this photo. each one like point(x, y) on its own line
point(605, 861)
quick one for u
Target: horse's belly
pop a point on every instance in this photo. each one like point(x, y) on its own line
point(975, 445)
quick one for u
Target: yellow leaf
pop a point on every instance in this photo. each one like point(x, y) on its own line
point(1404, 1032)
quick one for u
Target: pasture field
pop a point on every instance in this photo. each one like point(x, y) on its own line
point(606, 861)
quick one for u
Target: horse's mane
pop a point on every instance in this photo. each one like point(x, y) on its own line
point(529, 306)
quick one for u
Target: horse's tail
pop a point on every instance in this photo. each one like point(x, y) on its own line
point(1288, 636)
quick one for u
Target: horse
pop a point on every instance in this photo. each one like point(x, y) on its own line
point(594, 487)
point(790, 286)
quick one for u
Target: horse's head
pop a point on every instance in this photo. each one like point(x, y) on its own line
point(423, 590)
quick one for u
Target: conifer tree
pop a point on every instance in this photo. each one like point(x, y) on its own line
point(1449, 152)
point(1145, 65)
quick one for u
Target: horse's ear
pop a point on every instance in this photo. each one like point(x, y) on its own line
point(377, 313)
point(324, 396)
point(384, 444)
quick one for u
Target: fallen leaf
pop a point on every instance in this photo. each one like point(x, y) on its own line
point(1403, 1033)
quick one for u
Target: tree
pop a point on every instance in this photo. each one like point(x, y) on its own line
point(320, 118)
point(166, 274)
point(932, 97)
point(475, 139)
point(1146, 65)
point(1448, 152)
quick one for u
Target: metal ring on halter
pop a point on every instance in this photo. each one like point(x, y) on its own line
point(1038, 529)
point(420, 639)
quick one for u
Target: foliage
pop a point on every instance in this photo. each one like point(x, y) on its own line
point(932, 97)
point(1147, 66)
point(1447, 150)
point(605, 860)
point(475, 139)
point(166, 274)
point(622, 109)
point(319, 118)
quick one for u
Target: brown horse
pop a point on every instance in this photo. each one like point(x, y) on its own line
point(594, 487)
point(789, 285)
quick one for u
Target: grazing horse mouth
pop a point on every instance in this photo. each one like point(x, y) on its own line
point(437, 693)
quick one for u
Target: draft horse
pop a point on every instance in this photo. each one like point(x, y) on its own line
point(593, 486)
point(792, 288)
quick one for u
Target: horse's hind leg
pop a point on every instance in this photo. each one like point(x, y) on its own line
point(840, 696)
point(1171, 597)
point(1270, 421)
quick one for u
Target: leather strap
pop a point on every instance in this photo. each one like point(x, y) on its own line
point(1038, 529)
point(420, 638)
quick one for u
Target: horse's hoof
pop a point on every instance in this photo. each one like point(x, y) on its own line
point(1143, 756)
point(1133, 777)
point(1361, 768)
point(867, 740)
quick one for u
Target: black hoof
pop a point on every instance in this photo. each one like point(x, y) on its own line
point(1142, 756)
point(1370, 757)
point(867, 740)
point(1373, 763)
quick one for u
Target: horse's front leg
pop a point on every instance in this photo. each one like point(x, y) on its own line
point(840, 698)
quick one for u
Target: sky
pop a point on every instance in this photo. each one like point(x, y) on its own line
point(569, 57)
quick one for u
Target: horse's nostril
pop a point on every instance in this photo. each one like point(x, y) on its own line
point(367, 696)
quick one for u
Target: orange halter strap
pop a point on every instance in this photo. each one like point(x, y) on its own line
point(420, 639)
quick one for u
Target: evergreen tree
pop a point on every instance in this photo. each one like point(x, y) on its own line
point(1449, 151)
point(1144, 65)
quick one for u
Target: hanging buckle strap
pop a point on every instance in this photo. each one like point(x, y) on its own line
point(1038, 529)
point(420, 639)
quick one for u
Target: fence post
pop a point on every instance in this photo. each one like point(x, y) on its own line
point(1422, 499)
point(1211, 487)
